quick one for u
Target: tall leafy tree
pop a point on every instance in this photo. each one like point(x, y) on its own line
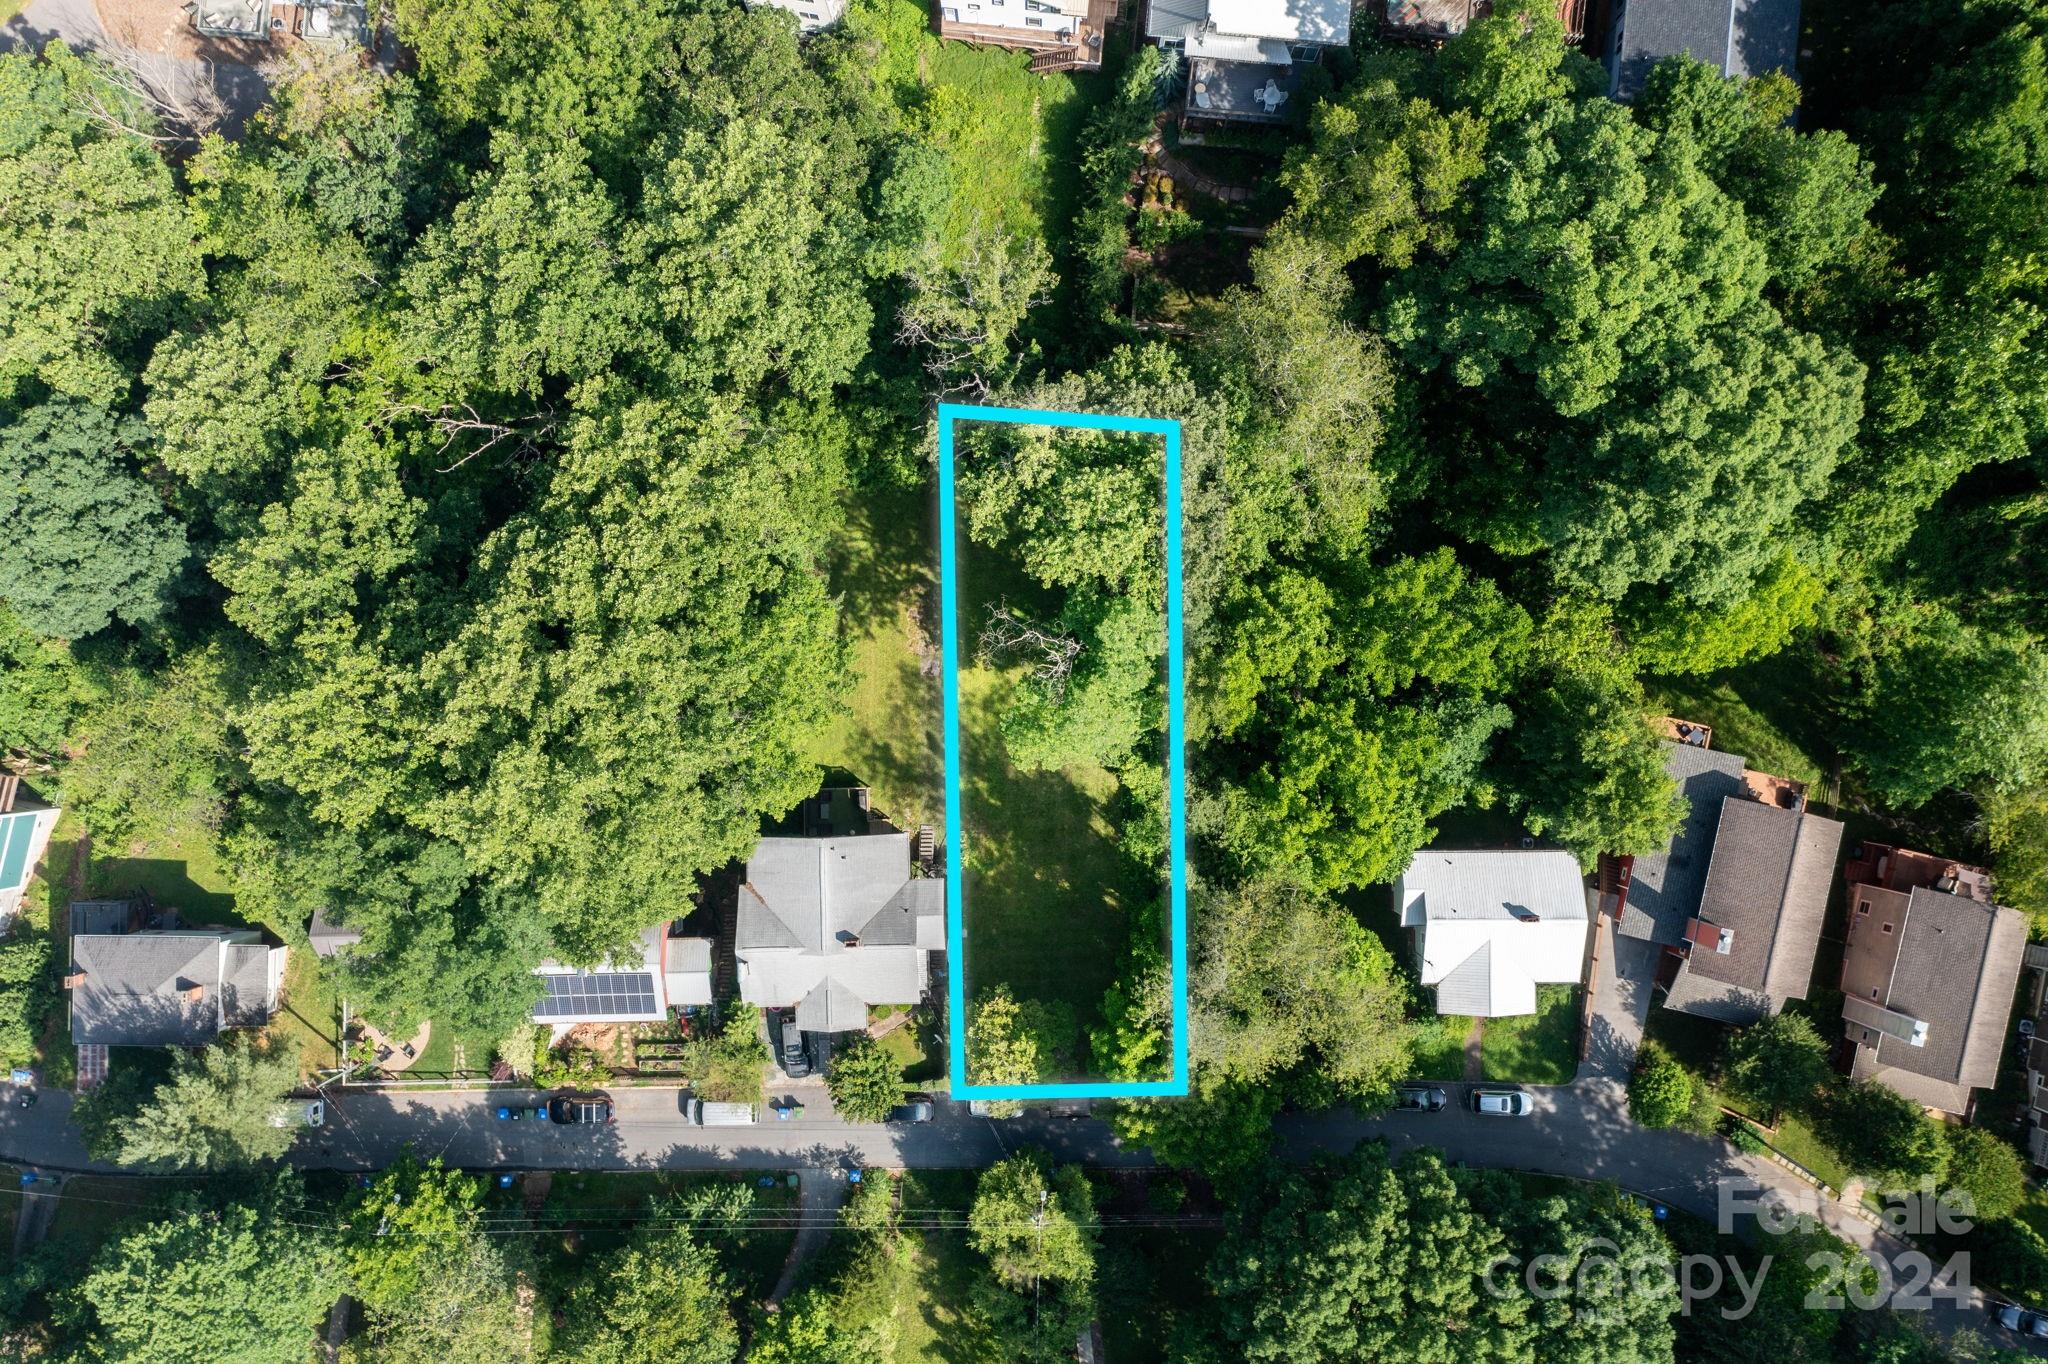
point(94, 539)
point(1360, 1259)
point(221, 1109)
point(96, 247)
point(242, 1282)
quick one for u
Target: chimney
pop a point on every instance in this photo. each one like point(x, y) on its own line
point(9, 784)
point(853, 940)
point(195, 993)
point(74, 980)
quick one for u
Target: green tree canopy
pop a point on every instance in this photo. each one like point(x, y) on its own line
point(865, 1080)
point(1779, 1061)
point(95, 245)
point(239, 1283)
point(1361, 1259)
point(94, 540)
point(1035, 1223)
point(221, 1109)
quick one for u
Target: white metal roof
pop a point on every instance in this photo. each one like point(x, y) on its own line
point(1294, 21)
point(1495, 925)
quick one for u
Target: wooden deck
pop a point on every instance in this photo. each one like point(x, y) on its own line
point(1083, 46)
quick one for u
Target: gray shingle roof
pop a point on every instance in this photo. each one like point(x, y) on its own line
point(1958, 965)
point(1768, 884)
point(1664, 889)
point(133, 994)
point(831, 1007)
point(805, 892)
point(1739, 37)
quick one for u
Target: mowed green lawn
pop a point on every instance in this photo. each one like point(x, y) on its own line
point(1045, 910)
point(1045, 879)
point(1535, 1049)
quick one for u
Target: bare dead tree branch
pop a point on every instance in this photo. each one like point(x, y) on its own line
point(1008, 634)
point(181, 95)
point(455, 421)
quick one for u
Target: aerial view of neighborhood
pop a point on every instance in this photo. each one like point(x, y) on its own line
point(1024, 681)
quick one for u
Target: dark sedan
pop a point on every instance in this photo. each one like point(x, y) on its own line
point(581, 1109)
point(1420, 1099)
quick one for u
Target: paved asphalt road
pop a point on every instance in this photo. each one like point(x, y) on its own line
point(1577, 1130)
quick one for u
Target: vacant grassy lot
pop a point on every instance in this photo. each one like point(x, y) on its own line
point(1012, 137)
point(1536, 1049)
point(1741, 709)
point(1440, 1046)
point(1045, 898)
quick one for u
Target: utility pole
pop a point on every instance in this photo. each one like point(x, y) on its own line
point(1037, 1262)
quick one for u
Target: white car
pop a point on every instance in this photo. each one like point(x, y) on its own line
point(1502, 1103)
point(311, 1113)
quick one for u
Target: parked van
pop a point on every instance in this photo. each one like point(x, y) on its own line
point(717, 1115)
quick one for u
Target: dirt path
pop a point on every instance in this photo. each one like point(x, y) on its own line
point(38, 1210)
point(818, 1200)
point(1475, 1066)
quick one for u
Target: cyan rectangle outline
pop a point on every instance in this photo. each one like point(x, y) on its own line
point(1176, 776)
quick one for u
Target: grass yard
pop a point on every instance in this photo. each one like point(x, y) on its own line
point(1440, 1047)
point(885, 573)
point(180, 869)
point(1044, 886)
point(1013, 138)
point(918, 1056)
point(1741, 711)
point(1536, 1049)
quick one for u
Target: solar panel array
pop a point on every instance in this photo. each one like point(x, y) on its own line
point(595, 993)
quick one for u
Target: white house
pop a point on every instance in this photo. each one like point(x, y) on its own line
point(812, 16)
point(1492, 926)
point(1245, 56)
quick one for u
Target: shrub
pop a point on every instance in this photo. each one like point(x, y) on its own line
point(1882, 1134)
point(1987, 1169)
point(24, 994)
point(1660, 1093)
point(518, 1050)
point(864, 1081)
point(572, 1068)
point(1778, 1063)
point(1743, 1137)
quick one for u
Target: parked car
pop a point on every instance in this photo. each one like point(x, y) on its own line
point(1502, 1103)
point(705, 1114)
point(790, 1046)
point(1420, 1099)
point(914, 1108)
point(576, 1110)
point(297, 1113)
point(2022, 1321)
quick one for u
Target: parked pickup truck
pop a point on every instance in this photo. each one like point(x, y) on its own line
point(717, 1115)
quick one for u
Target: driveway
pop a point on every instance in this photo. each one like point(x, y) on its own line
point(77, 23)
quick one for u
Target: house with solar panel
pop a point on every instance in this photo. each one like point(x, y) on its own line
point(669, 967)
point(25, 825)
point(830, 925)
